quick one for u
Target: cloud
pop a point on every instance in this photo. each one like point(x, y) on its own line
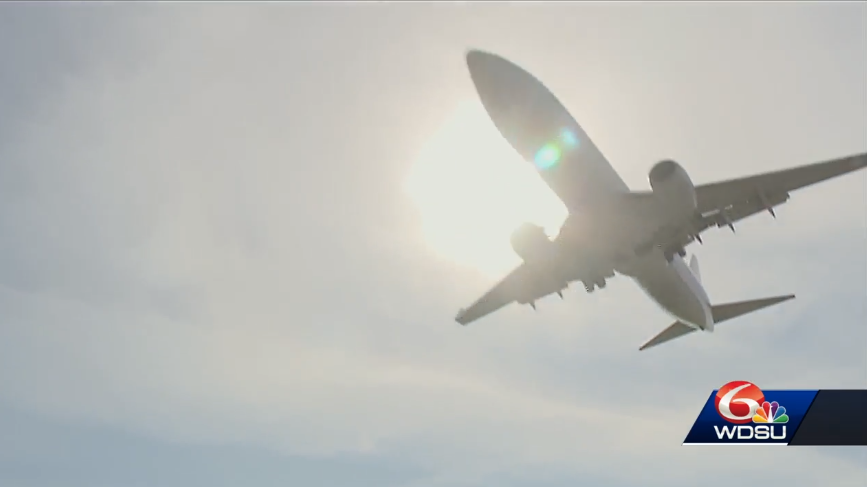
point(206, 246)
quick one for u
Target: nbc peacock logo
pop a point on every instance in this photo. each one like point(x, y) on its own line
point(771, 412)
point(743, 404)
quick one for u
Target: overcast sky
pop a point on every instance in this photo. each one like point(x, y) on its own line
point(214, 271)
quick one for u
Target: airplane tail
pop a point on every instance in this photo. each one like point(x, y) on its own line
point(721, 312)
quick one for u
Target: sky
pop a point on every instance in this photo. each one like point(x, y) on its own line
point(233, 239)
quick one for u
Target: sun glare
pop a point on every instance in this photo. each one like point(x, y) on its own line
point(472, 190)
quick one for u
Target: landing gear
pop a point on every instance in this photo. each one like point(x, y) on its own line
point(670, 253)
point(591, 286)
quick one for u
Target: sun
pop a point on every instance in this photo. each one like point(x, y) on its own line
point(472, 191)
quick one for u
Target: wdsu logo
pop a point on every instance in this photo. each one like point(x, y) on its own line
point(742, 403)
point(741, 413)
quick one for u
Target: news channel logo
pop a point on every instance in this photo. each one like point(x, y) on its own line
point(741, 403)
point(741, 413)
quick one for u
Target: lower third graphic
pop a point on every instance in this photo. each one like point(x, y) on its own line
point(741, 413)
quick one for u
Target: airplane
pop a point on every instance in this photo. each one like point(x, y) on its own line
point(611, 229)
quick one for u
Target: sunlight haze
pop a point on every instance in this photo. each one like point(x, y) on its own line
point(235, 237)
point(473, 190)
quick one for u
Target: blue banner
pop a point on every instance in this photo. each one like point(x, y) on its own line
point(741, 413)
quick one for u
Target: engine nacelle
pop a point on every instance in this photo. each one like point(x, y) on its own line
point(531, 242)
point(673, 188)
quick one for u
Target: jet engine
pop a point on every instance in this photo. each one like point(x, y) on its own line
point(531, 242)
point(673, 188)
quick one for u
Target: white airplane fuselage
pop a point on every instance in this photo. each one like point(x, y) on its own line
point(672, 285)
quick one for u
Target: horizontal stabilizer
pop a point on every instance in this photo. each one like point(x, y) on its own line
point(721, 312)
point(676, 330)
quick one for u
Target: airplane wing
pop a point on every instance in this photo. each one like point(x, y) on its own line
point(736, 199)
point(516, 285)
point(527, 283)
point(724, 203)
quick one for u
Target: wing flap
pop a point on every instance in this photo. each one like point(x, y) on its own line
point(503, 293)
point(740, 210)
point(715, 197)
point(725, 203)
point(532, 281)
point(522, 285)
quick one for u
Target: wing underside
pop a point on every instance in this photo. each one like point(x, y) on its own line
point(534, 280)
point(725, 203)
point(762, 191)
point(522, 285)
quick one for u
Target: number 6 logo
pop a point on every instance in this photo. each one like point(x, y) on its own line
point(737, 401)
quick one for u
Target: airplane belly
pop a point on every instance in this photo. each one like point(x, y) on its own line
point(678, 293)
